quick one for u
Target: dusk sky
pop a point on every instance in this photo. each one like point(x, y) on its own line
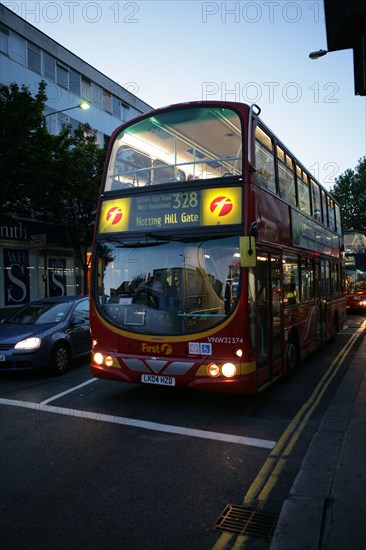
point(254, 52)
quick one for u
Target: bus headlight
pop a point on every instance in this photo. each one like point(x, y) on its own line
point(108, 361)
point(228, 370)
point(98, 358)
point(213, 370)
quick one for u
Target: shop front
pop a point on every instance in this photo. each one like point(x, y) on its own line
point(37, 260)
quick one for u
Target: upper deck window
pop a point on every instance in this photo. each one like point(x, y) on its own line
point(264, 160)
point(315, 197)
point(331, 214)
point(303, 190)
point(192, 143)
point(286, 177)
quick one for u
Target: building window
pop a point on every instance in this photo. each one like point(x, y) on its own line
point(62, 120)
point(74, 124)
point(86, 88)
point(62, 76)
point(91, 92)
point(49, 66)
point(97, 95)
point(74, 82)
point(4, 39)
point(107, 101)
point(125, 114)
point(116, 106)
point(34, 58)
point(17, 48)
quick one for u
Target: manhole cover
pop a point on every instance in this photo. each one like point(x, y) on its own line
point(246, 521)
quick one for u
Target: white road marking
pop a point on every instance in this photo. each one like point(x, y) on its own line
point(132, 422)
point(46, 401)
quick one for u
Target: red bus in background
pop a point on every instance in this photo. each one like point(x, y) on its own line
point(355, 263)
point(218, 259)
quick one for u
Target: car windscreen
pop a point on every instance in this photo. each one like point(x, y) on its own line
point(40, 313)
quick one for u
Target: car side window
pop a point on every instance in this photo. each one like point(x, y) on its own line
point(82, 310)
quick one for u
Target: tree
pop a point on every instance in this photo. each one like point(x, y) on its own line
point(24, 140)
point(45, 176)
point(81, 168)
point(350, 191)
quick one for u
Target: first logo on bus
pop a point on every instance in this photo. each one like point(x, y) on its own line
point(114, 215)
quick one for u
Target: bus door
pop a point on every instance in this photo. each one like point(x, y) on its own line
point(320, 297)
point(269, 316)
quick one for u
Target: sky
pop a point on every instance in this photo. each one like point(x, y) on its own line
point(167, 52)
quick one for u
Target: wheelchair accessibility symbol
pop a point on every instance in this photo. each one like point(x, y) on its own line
point(205, 349)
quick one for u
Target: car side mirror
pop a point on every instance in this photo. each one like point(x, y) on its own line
point(76, 321)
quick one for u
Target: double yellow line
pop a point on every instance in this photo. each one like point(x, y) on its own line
point(270, 472)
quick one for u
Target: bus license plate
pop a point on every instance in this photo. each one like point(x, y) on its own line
point(158, 379)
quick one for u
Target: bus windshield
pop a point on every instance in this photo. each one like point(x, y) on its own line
point(184, 286)
point(182, 145)
point(355, 261)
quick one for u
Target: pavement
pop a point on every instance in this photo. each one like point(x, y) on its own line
point(326, 508)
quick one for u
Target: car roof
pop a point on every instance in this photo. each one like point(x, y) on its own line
point(60, 299)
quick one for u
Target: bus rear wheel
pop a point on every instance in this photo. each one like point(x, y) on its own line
point(335, 329)
point(292, 355)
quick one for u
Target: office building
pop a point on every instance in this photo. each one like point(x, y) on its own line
point(33, 263)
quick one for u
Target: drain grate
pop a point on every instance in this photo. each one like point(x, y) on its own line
point(246, 521)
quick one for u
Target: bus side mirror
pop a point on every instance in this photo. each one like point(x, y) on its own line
point(248, 255)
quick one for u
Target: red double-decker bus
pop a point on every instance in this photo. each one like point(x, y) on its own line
point(355, 262)
point(217, 262)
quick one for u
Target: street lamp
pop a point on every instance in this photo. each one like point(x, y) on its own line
point(317, 54)
point(84, 105)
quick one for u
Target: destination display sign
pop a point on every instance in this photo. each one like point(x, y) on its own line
point(202, 207)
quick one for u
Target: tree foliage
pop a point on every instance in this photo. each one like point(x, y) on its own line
point(81, 166)
point(23, 140)
point(44, 176)
point(350, 191)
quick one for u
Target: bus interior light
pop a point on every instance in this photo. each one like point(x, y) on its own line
point(228, 370)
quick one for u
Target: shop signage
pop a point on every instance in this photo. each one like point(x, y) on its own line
point(16, 276)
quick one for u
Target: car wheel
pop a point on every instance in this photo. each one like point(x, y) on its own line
point(60, 359)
